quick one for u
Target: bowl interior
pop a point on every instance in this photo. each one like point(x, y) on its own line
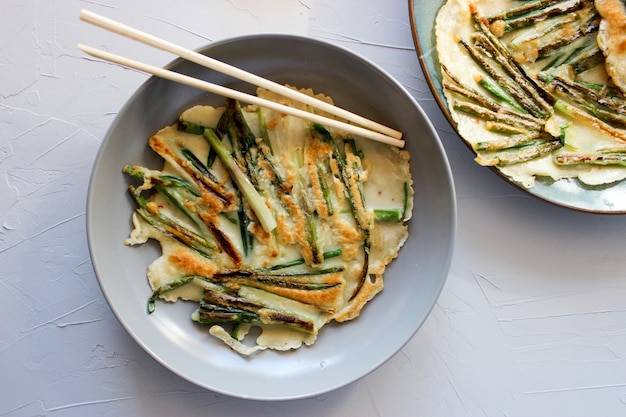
point(342, 353)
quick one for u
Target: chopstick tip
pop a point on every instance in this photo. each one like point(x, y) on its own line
point(83, 14)
point(83, 47)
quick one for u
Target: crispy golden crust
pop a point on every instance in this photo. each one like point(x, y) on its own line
point(328, 300)
point(612, 39)
point(189, 264)
point(372, 286)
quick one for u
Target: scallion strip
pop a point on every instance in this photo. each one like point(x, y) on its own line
point(256, 201)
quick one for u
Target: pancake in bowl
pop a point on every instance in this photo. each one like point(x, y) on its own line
point(332, 216)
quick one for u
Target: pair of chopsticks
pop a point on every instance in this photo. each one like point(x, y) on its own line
point(361, 126)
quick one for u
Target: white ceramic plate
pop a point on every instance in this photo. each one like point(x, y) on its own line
point(343, 353)
point(569, 193)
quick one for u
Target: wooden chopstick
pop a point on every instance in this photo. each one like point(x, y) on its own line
point(238, 95)
point(235, 72)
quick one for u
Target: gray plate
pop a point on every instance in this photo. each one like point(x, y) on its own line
point(343, 353)
point(570, 193)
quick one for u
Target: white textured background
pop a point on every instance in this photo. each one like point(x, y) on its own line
point(532, 321)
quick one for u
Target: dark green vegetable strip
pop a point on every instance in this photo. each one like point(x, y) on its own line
point(582, 115)
point(592, 92)
point(220, 307)
point(208, 230)
point(313, 237)
point(198, 164)
point(322, 175)
point(472, 95)
point(300, 261)
point(229, 299)
point(243, 129)
point(487, 114)
point(512, 142)
point(172, 228)
point(498, 93)
point(484, 101)
point(549, 49)
point(209, 314)
point(387, 215)
point(511, 88)
point(363, 224)
point(523, 154)
point(256, 201)
point(255, 157)
point(364, 270)
point(264, 131)
point(504, 129)
point(468, 92)
point(529, 89)
point(530, 6)
point(170, 286)
point(247, 238)
point(176, 158)
point(289, 320)
point(244, 142)
point(224, 242)
point(158, 178)
point(188, 127)
point(604, 91)
point(277, 180)
point(605, 159)
point(578, 58)
point(179, 203)
point(543, 14)
point(504, 57)
point(258, 273)
point(226, 127)
point(587, 59)
point(592, 107)
point(196, 129)
point(405, 203)
point(278, 282)
point(536, 35)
